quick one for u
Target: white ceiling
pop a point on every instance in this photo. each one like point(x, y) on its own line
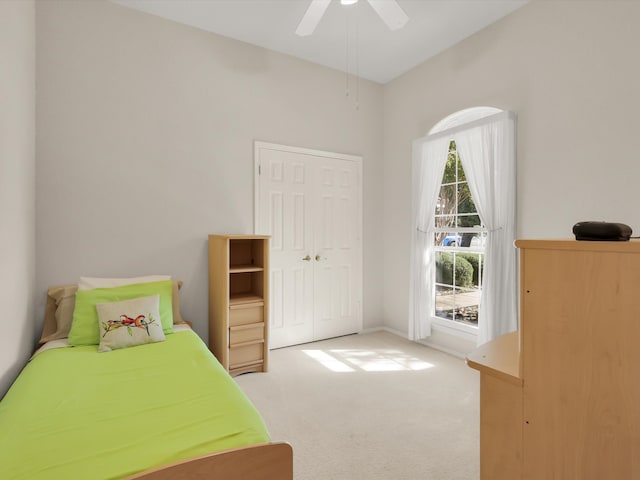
point(348, 38)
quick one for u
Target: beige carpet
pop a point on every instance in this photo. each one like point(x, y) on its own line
point(371, 406)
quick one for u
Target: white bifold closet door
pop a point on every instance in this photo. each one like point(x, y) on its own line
point(310, 203)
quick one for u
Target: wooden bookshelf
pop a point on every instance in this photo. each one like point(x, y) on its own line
point(238, 301)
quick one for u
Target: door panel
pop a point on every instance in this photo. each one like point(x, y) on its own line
point(285, 191)
point(340, 251)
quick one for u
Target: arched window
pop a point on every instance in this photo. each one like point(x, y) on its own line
point(463, 261)
point(463, 117)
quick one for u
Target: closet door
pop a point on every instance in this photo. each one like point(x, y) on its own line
point(337, 273)
point(309, 202)
point(286, 211)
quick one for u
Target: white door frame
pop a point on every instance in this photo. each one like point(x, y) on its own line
point(260, 145)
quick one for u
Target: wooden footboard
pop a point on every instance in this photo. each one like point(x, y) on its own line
point(270, 461)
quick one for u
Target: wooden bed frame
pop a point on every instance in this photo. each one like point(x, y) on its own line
point(268, 461)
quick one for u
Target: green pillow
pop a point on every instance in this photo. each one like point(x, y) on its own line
point(85, 328)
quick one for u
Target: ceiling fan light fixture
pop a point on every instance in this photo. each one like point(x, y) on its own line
point(388, 10)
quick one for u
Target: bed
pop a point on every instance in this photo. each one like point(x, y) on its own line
point(159, 410)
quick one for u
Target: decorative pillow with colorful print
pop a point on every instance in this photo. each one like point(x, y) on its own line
point(129, 322)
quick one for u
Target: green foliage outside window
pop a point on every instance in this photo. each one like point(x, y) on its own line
point(477, 263)
point(444, 271)
point(455, 196)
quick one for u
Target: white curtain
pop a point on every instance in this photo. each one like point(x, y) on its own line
point(487, 151)
point(429, 160)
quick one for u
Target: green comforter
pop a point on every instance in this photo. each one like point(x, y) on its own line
point(74, 413)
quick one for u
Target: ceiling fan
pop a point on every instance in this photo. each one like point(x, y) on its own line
point(388, 10)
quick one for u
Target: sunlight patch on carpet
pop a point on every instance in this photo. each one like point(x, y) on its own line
point(328, 361)
point(348, 360)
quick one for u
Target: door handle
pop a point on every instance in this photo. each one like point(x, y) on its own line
point(319, 257)
point(307, 258)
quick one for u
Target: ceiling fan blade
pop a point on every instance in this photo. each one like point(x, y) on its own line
point(390, 12)
point(312, 17)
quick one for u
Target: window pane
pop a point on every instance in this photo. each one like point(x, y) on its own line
point(466, 239)
point(447, 200)
point(444, 268)
point(461, 176)
point(439, 238)
point(469, 220)
point(449, 174)
point(456, 269)
point(458, 304)
point(476, 261)
point(466, 306)
point(451, 239)
point(463, 271)
point(445, 307)
point(465, 201)
point(445, 221)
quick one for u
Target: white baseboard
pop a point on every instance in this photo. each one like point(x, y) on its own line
point(447, 343)
point(451, 344)
point(385, 329)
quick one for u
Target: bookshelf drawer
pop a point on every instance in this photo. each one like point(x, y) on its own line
point(246, 333)
point(242, 355)
point(244, 314)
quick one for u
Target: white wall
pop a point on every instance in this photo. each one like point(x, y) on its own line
point(570, 71)
point(145, 144)
point(17, 186)
point(145, 131)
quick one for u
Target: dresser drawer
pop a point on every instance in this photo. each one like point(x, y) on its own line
point(246, 314)
point(246, 354)
point(246, 333)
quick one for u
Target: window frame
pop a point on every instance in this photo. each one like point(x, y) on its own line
point(456, 230)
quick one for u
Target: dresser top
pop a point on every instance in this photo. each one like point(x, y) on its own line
point(500, 357)
point(631, 246)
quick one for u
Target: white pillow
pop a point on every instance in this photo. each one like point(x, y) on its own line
point(129, 323)
point(89, 283)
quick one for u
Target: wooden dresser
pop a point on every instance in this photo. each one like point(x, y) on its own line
point(239, 301)
point(560, 398)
